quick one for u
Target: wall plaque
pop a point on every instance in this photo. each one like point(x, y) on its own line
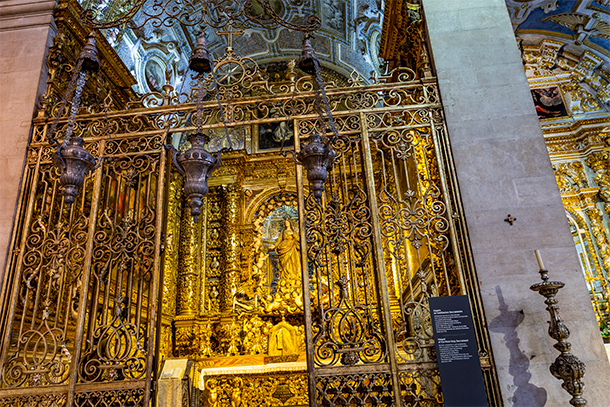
point(457, 352)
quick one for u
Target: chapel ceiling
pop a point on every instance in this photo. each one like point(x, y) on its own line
point(157, 51)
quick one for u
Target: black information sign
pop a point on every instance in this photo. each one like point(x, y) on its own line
point(457, 352)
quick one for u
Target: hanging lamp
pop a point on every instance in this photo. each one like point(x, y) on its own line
point(71, 159)
point(317, 156)
point(197, 164)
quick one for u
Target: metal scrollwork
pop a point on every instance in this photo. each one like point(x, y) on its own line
point(216, 13)
point(85, 280)
point(347, 333)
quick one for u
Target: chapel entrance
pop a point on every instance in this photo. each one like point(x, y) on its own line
point(278, 298)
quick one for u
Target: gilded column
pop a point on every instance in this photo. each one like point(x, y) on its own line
point(597, 227)
point(189, 265)
point(172, 242)
point(170, 265)
point(231, 247)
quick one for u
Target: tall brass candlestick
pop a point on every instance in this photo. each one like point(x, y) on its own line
point(566, 367)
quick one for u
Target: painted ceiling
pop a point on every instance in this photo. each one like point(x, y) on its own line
point(582, 25)
point(157, 52)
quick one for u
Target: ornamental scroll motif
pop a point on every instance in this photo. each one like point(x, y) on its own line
point(83, 281)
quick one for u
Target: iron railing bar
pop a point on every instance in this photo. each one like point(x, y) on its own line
point(380, 269)
point(153, 302)
point(446, 198)
point(19, 263)
point(305, 275)
point(341, 92)
point(80, 325)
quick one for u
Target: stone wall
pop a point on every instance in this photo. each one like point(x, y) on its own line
point(25, 32)
point(503, 167)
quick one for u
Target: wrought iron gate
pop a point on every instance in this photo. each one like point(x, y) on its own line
point(81, 295)
point(387, 236)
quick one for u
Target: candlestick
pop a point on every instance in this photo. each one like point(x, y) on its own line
point(567, 367)
point(539, 258)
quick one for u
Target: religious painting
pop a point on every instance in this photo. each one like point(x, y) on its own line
point(154, 74)
point(549, 103)
point(275, 136)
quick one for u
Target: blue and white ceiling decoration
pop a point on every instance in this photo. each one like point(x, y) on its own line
point(583, 25)
point(346, 40)
point(566, 44)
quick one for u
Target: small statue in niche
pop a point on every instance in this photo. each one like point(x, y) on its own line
point(287, 248)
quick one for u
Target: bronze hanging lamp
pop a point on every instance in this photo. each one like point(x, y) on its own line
point(200, 60)
point(307, 62)
point(317, 156)
point(71, 158)
point(197, 164)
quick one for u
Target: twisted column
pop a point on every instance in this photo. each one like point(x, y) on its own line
point(189, 264)
point(230, 276)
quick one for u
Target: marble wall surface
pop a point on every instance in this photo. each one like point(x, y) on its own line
point(503, 167)
point(25, 32)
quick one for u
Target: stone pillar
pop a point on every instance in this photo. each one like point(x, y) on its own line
point(231, 248)
point(26, 31)
point(503, 167)
point(189, 264)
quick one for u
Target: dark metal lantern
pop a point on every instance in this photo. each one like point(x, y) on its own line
point(196, 165)
point(317, 157)
point(88, 55)
point(307, 61)
point(200, 60)
point(73, 162)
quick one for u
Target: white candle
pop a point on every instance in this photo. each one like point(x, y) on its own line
point(539, 258)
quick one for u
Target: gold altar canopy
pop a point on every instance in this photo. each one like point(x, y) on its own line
point(273, 294)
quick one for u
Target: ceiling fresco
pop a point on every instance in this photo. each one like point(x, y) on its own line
point(157, 53)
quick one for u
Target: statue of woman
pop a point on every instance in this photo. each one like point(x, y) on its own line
point(287, 248)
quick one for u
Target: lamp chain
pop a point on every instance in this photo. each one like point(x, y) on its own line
point(222, 114)
point(200, 92)
point(322, 94)
point(80, 84)
point(64, 101)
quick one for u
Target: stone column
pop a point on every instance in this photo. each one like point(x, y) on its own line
point(26, 31)
point(231, 248)
point(503, 167)
point(189, 264)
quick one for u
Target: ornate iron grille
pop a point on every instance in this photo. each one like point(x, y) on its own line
point(82, 288)
point(80, 301)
